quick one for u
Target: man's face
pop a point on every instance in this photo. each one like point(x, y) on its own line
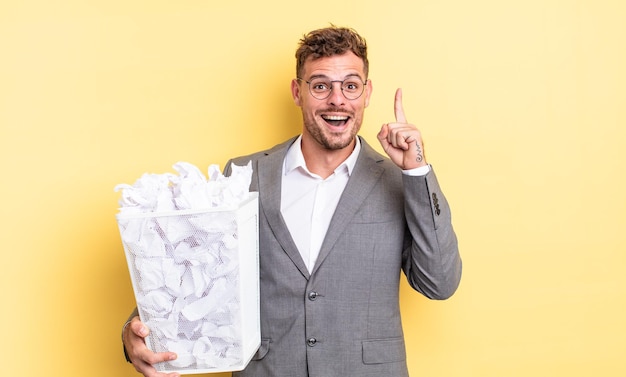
point(333, 122)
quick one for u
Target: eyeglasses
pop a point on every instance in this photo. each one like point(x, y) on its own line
point(321, 87)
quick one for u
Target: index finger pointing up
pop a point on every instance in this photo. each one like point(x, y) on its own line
point(398, 110)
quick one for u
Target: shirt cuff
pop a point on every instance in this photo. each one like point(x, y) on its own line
point(417, 172)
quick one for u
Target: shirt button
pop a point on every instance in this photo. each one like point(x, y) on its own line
point(311, 342)
point(313, 295)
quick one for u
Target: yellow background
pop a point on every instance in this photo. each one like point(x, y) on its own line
point(522, 105)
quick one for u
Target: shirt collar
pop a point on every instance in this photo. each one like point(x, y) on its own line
point(295, 159)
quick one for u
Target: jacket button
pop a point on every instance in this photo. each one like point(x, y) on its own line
point(313, 295)
point(311, 342)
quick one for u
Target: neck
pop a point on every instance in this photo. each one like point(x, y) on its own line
point(322, 161)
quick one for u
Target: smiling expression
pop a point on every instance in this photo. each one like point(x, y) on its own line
point(331, 123)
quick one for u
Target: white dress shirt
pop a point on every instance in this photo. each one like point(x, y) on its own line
point(308, 201)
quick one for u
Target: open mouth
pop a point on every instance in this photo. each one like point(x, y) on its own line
point(336, 120)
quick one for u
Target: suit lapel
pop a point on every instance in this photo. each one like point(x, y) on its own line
point(366, 173)
point(270, 178)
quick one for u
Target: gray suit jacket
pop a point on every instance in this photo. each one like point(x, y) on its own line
point(343, 319)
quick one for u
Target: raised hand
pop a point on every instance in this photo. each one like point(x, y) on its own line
point(401, 140)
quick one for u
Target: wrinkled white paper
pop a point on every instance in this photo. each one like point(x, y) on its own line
point(185, 266)
point(190, 189)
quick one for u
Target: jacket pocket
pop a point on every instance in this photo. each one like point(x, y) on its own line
point(263, 350)
point(380, 351)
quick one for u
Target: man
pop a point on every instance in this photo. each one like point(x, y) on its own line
point(338, 222)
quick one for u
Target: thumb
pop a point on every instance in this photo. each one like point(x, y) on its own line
point(382, 134)
point(139, 328)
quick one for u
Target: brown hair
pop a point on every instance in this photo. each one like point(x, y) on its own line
point(330, 41)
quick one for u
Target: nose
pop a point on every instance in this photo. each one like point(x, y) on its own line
point(336, 97)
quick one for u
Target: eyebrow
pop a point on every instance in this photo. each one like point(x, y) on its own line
point(326, 77)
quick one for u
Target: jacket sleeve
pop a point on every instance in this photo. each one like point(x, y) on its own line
point(431, 259)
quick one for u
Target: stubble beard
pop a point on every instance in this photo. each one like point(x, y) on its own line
point(331, 140)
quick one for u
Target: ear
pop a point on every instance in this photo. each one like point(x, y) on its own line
point(295, 92)
point(368, 92)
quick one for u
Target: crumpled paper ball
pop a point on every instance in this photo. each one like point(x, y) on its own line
point(190, 189)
